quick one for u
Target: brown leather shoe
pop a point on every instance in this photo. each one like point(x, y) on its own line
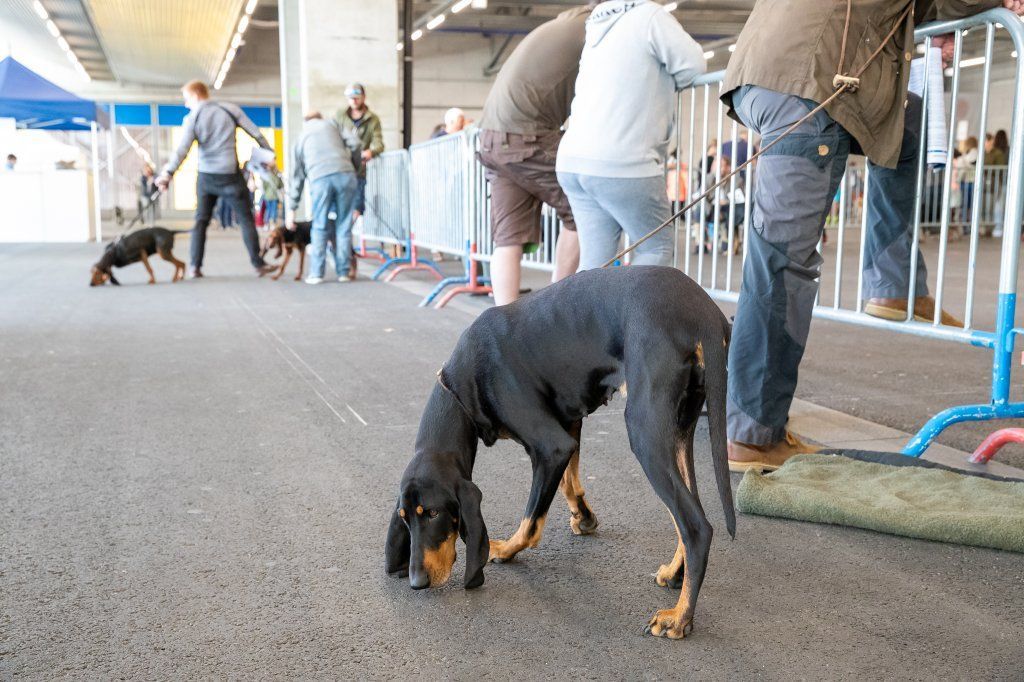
point(896, 309)
point(743, 456)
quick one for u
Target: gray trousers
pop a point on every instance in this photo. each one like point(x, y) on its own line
point(795, 184)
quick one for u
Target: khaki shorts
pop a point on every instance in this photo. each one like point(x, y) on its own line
point(521, 171)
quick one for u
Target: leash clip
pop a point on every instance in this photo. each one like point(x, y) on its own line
point(851, 83)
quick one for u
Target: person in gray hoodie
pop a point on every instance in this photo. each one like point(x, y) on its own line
point(611, 161)
point(323, 154)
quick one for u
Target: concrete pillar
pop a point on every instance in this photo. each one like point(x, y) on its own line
point(326, 44)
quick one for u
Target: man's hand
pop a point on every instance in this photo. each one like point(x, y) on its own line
point(946, 43)
point(1016, 6)
point(368, 153)
point(163, 181)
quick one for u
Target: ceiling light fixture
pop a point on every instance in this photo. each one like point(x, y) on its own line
point(732, 48)
point(243, 24)
point(417, 34)
point(63, 44)
point(61, 41)
point(251, 7)
point(52, 28)
point(460, 5)
point(670, 7)
point(709, 54)
point(435, 22)
point(40, 10)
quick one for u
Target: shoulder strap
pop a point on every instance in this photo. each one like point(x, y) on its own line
point(222, 108)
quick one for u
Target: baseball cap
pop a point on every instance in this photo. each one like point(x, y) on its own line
point(354, 90)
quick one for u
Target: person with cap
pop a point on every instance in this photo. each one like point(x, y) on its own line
point(791, 56)
point(323, 155)
point(366, 126)
point(520, 131)
point(212, 125)
point(454, 122)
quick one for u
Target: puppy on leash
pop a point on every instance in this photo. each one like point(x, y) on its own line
point(134, 247)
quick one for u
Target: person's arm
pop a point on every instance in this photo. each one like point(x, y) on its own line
point(377, 140)
point(681, 55)
point(246, 124)
point(945, 10)
point(297, 179)
point(188, 136)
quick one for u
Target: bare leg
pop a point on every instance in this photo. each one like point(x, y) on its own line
point(506, 273)
point(567, 255)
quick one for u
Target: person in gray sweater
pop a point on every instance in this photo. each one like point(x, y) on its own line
point(212, 125)
point(323, 154)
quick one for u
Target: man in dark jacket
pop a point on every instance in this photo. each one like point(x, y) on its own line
point(785, 61)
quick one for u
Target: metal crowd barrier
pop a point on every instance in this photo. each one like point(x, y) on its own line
point(710, 238)
point(388, 215)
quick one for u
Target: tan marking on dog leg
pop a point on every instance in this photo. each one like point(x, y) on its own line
point(438, 562)
point(284, 264)
point(582, 520)
point(145, 261)
point(699, 355)
point(667, 572)
point(302, 263)
point(524, 537)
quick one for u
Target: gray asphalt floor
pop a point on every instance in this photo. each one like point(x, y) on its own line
point(196, 481)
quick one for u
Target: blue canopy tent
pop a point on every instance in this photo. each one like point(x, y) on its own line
point(36, 103)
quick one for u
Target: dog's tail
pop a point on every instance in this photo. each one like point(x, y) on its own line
point(716, 377)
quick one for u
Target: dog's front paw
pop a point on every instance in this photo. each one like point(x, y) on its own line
point(670, 623)
point(500, 552)
point(152, 281)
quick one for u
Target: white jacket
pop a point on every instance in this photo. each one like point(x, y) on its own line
point(636, 58)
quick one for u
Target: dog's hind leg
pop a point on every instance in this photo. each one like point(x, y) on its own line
point(145, 261)
point(550, 448)
point(582, 520)
point(284, 264)
point(179, 267)
point(302, 262)
point(671, 574)
point(647, 407)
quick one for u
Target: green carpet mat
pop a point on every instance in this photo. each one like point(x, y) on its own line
point(931, 504)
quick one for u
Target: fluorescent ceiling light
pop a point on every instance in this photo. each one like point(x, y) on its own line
point(243, 23)
point(417, 34)
point(709, 54)
point(251, 6)
point(732, 48)
point(479, 4)
point(399, 46)
point(230, 56)
point(1014, 54)
point(63, 43)
point(52, 28)
point(460, 5)
point(40, 10)
point(236, 40)
point(435, 22)
point(670, 7)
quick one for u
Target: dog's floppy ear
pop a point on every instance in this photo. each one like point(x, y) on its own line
point(396, 550)
point(473, 532)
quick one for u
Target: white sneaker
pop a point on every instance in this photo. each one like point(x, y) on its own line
point(314, 280)
point(344, 278)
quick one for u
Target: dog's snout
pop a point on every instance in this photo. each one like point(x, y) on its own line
point(419, 580)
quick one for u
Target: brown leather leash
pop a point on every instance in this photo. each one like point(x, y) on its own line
point(841, 82)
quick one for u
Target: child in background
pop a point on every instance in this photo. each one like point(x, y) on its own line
point(272, 187)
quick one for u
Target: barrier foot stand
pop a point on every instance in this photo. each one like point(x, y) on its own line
point(991, 445)
point(474, 285)
point(387, 264)
point(441, 286)
point(375, 253)
point(955, 415)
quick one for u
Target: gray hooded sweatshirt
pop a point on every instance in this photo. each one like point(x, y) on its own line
point(636, 58)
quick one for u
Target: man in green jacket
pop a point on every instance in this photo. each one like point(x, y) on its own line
point(784, 65)
point(365, 124)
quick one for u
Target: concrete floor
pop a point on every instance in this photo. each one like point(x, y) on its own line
point(197, 479)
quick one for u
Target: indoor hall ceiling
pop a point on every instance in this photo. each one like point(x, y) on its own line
point(164, 42)
point(32, 42)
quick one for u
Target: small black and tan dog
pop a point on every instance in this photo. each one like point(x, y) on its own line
point(134, 247)
point(531, 371)
point(284, 240)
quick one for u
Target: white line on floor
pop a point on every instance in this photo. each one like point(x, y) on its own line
point(356, 414)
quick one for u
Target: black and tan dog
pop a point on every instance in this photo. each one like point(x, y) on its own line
point(284, 240)
point(531, 371)
point(134, 247)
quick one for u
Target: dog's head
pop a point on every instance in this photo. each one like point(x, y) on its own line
point(424, 524)
point(101, 271)
point(275, 240)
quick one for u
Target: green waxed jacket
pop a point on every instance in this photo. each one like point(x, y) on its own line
point(369, 131)
point(793, 46)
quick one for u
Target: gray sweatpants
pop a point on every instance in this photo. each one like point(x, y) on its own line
point(796, 182)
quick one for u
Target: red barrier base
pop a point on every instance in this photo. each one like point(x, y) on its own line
point(991, 445)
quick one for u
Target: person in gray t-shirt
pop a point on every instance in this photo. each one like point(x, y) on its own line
point(212, 125)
